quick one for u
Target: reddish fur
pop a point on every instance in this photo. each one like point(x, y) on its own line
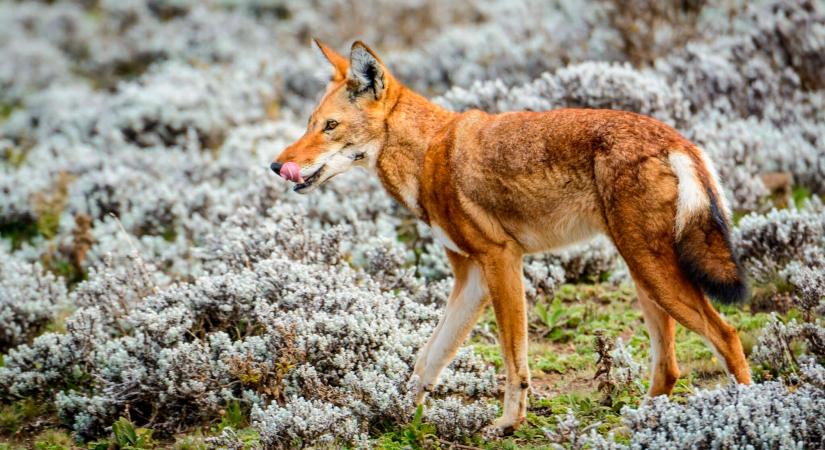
point(504, 185)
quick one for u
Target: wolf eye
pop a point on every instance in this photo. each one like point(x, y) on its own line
point(331, 124)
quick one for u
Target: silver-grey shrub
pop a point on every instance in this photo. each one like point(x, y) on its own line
point(765, 415)
point(770, 414)
point(207, 277)
point(589, 84)
point(30, 298)
point(278, 321)
point(767, 243)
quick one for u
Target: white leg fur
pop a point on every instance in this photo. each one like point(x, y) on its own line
point(463, 309)
point(653, 316)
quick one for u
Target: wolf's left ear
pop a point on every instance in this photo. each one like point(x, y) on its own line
point(367, 74)
point(339, 63)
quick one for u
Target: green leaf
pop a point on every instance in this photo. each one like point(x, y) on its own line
point(125, 433)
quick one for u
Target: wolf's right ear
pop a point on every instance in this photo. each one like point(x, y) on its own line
point(339, 63)
point(366, 72)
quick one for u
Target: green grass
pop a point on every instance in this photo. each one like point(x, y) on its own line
point(197, 439)
point(53, 440)
point(800, 194)
point(13, 416)
point(192, 441)
point(415, 435)
point(6, 109)
point(125, 436)
point(234, 416)
point(551, 361)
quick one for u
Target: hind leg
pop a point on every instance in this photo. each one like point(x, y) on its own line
point(723, 340)
point(640, 198)
point(670, 290)
point(662, 329)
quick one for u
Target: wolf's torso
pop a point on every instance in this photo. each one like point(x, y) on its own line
point(534, 177)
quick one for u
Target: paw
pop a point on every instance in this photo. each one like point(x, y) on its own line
point(419, 389)
point(502, 427)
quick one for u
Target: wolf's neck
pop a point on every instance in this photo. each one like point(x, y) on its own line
point(411, 126)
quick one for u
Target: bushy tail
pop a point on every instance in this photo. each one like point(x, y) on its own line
point(703, 241)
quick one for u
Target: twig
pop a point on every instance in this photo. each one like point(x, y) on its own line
point(456, 444)
point(141, 264)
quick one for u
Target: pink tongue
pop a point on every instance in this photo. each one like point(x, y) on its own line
point(291, 172)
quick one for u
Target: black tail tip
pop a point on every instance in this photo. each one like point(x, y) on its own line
point(708, 259)
point(727, 293)
point(731, 291)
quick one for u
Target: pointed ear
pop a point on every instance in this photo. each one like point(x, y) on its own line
point(340, 64)
point(366, 72)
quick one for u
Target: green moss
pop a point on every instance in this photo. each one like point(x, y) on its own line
point(533, 431)
point(690, 346)
point(48, 224)
point(169, 234)
point(577, 311)
point(738, 215)
point(197, 439)
point(800, 194)
point(489, 353)
point(6, 109)
point(193, 441)
point(48, 208)
point(13, 416)
point(581, 404)
point(19, 232)
point(53, 440)
point(78, 380)
point(742, 318)
point(250, 438)
point(13, 156)
point(65, 269)
point(561, 362)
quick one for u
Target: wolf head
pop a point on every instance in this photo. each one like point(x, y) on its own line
point(347, 128)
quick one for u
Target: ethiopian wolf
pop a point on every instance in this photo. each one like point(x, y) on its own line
point(496, 186)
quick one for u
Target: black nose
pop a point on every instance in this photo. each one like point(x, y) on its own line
point(276, 167)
